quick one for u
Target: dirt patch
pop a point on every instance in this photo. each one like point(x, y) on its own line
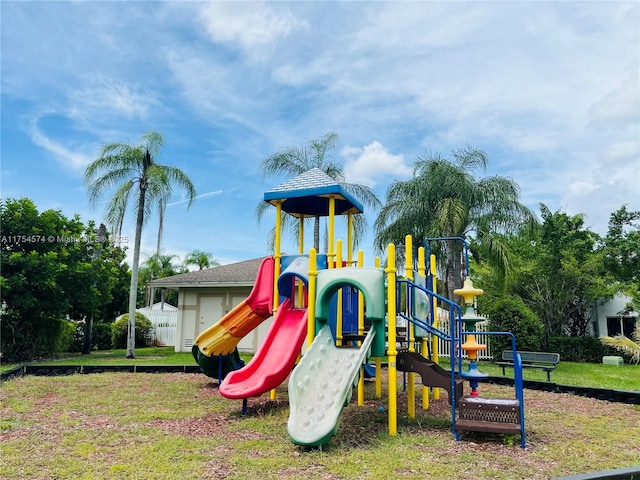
point(560, 428)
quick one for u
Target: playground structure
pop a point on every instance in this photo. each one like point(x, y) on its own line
point(343, 309)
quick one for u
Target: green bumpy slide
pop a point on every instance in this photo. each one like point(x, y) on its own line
point(322, 383)
point(321, 386)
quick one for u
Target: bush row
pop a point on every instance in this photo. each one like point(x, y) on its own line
point(512, 315)
point(581, 349)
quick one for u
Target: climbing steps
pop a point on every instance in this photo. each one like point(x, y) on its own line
point(491, 415)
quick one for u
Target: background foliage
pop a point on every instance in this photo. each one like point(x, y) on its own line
point(53, 268)
point(119, 331)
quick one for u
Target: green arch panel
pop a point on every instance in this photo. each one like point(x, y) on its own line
point(370, 281)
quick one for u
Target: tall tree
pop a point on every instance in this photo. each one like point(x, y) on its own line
point(560, 273)
point(296, 160)
point(201, 259)
point(133, 172)
point(445, 199)
point(622, 245)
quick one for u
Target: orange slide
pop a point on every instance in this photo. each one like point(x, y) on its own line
point(222, 338)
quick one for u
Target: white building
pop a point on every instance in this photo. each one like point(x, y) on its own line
point(205, 296)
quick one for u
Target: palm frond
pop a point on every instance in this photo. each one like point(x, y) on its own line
point(451, 217)
point(469, 158)
point(623, 344)
point(363, 193)
point(98, 186)
point(261, 209)
point(117, 206)
point(153, 143)
point(176, 177)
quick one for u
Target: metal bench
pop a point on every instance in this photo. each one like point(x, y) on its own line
point(542, 360)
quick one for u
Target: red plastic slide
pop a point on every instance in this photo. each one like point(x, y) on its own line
point(274, 359)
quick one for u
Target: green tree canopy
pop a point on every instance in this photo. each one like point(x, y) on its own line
point(53, 267)
point(131, 173)
point(558, 271)
point(622, 246)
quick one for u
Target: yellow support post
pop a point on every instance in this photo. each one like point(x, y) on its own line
point(361, 331)
point(339, 297)
point(422, 270)
point(392, 352)
point(301, 236)
point(434, 344)
point(276, 269)
point(378, 359)
point(411, 377)
point(277, 255)
point(311, 293)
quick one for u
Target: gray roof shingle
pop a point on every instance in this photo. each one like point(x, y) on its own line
point(235, 274)
point(308, 195)
point(314, 178)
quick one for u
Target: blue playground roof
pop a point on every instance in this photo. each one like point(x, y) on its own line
point(307, 195)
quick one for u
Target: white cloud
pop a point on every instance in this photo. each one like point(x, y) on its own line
point(364, 165)
point(620, 106)
point(248, 24)
point(105, 97)
point(68, 157)
point(581, 188)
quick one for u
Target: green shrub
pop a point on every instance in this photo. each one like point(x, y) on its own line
point(120, 327)
point(55, 336)
point(40, 337)
point(581, 349)
point(66, 337)
point(101, 335)
point(510, 314)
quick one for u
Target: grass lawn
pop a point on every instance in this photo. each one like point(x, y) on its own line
point(625, 377)
point(177, 426)
point(144, 356)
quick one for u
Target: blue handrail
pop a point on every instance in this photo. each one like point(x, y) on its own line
point(455, 336)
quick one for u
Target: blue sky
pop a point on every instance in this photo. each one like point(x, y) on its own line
point(550, 90)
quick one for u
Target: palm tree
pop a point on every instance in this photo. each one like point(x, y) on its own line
point(156, 266)
point(444, 199)
point(133, 172)
point(295, 161)
point(160, 266)
point(201, 259)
